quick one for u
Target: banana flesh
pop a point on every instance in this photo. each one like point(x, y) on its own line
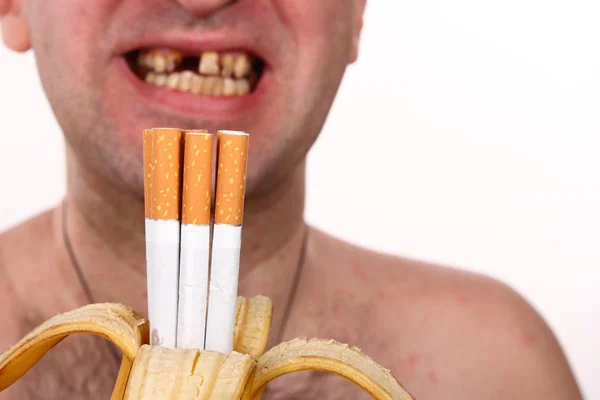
point(252, 325)
point(159, 374)
point(152, 373)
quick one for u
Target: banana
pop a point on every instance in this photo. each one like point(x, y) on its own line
point(252, 325)
point(160, 373)
point(115, 322)
point(328, 355)
point(153, 373)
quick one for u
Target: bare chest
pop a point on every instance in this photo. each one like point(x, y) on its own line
point(311, 385)
point(332, 320)
point(81, 366)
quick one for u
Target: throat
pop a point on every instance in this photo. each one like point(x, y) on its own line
point(99, 273)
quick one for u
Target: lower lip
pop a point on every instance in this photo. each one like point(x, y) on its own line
point(196, 104)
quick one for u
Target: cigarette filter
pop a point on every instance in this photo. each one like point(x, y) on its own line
point(148, 167)
point(195, 239)
point(163, 234)
point(227, 236)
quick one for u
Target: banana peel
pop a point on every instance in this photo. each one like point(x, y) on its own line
point(152, 372)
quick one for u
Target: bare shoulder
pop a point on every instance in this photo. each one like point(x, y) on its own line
point(18, 241)
point(26, 244)
point(21, 249)
point(448, 333)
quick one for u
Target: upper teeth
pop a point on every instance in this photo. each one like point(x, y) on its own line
point(212, 63)
point(227, 61)
point(242, 66)
point(160, 60)
point(209, 63)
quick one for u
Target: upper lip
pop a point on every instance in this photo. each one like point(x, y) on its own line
point(196, 43)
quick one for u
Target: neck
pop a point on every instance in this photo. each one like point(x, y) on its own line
point(105, 226)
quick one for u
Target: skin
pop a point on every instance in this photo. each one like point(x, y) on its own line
point(444, 333)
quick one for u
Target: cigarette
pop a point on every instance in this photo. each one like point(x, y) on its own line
point(227, 236)
point(148, 167)
point(163, 234)
point(195, 239)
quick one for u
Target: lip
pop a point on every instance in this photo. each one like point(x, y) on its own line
point(189, 103)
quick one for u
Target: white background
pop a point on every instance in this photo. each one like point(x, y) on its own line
point(476, 121)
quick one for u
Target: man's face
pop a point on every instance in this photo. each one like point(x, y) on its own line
point(111, 68)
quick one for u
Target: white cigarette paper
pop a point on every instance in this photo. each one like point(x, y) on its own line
point(193, 286)
point(195, 239)
point(223, 287)
point(150, 272)
point(148, 167)
point(162, 186)
point(227, 239)
point(162, 241)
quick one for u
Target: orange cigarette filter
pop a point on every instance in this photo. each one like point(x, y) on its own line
point(197, 177)
point(148, 166)
point(166, 186)
point(231, 177)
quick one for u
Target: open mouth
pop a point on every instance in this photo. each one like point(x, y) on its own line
point(209, 73)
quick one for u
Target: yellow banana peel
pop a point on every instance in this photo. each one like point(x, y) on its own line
point(153, 373)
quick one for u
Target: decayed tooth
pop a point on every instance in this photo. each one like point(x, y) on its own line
point(242, 66)
point(150, 77)
point(197, 83)
point(218, 87)
point(144, 59)
point(228, 87)
point(185, 81)
point(209, 63)
point(174, 59)
point(209, 84)
point(242, 87)
point(159, 62)
point(160, 80)
point(173, 80)
point(227, 61)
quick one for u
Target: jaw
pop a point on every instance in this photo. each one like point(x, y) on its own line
point(281, 117)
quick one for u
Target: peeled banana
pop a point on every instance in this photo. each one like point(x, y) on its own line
point(152, 372)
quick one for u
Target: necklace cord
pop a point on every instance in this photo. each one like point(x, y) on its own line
point(84, 285)
point(291, 299)
point(295, 283)
point(78, 269)
point(72, 257)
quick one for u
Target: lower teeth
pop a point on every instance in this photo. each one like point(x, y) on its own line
point(190, 82)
